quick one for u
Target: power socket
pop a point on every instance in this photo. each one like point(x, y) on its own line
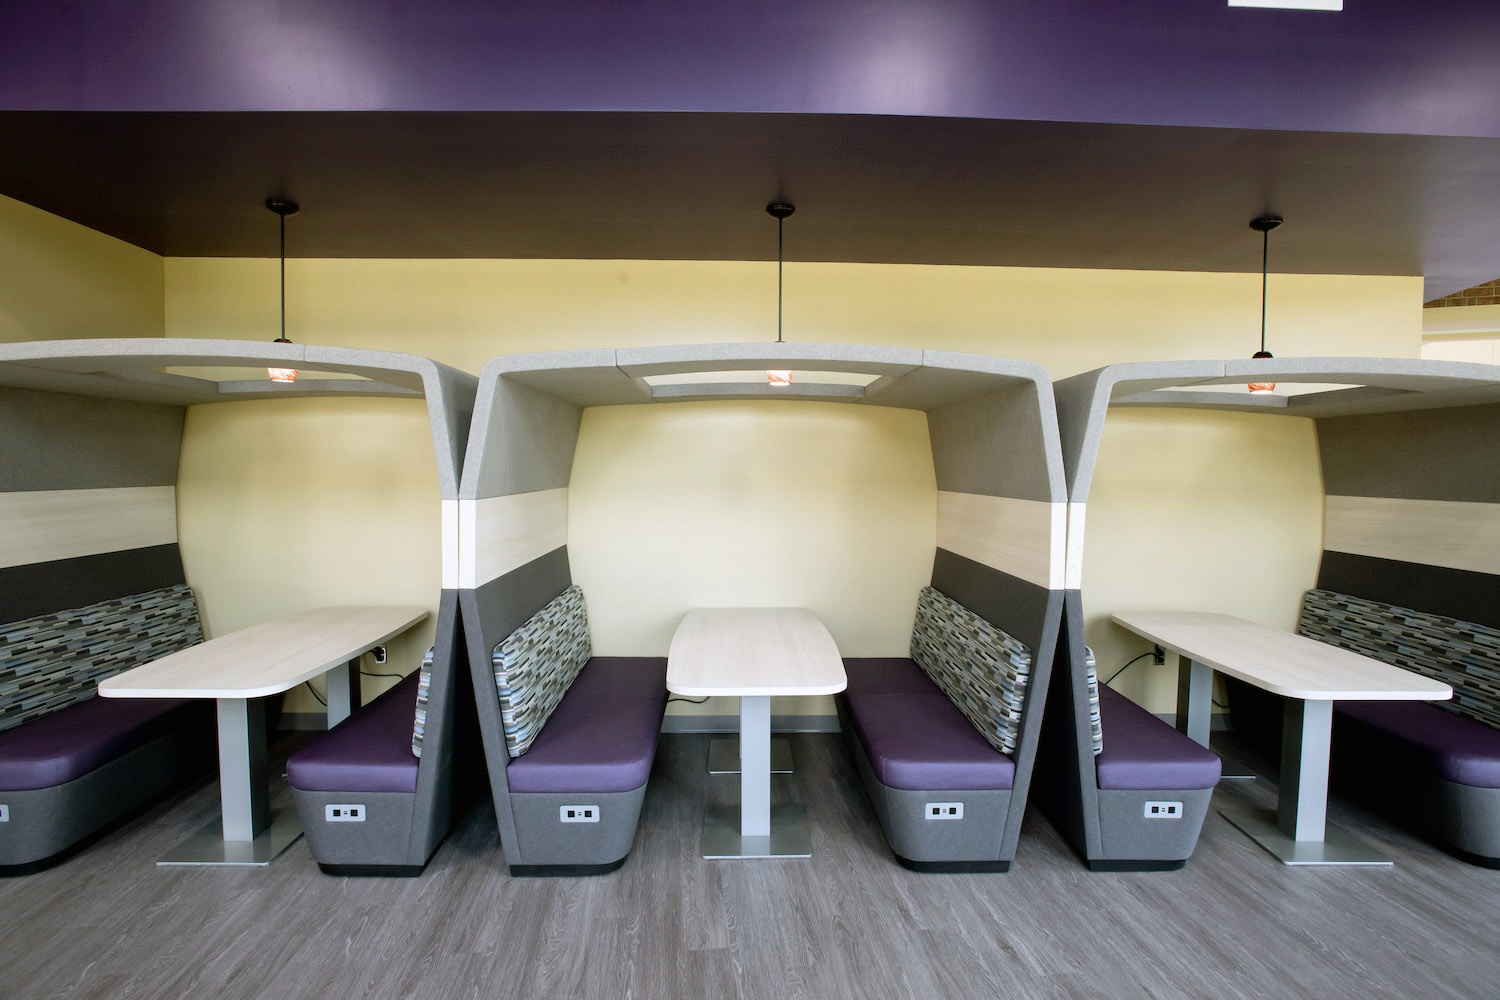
point(944, 810)
point(344, 813)
point(1158, 655)
point(578, 814)
point(378, 655)
point(1163, 810)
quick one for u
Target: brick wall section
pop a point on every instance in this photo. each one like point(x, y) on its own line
point(1487, 294)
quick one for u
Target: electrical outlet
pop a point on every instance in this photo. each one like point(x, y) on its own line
point(945, 810)
point(1163, 810)
point(344, 813)
point(1158, 655)
point(378, 655)
point(4, 813)
point(578, 814)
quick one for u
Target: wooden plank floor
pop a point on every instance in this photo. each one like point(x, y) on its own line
point(847, 923)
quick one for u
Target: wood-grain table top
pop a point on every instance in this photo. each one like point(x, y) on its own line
point(752, 652)
point(1283, 663)
point(265, 659)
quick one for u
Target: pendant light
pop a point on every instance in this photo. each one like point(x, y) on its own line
point(780, 211)
point(282, 207)
point(1263, 225)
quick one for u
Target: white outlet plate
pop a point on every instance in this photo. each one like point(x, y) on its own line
point(4, 813)
point(1163, 810)
point(578, 814)
point(351, 812)
point(944, 810)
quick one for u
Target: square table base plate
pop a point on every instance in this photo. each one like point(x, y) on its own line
point(724, 756)
point(208, 847)
point(790, 835)
point(1336, 847)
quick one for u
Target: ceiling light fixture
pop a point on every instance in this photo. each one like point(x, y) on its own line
point(780, 211)
point(282, 207)
point(1263, 225)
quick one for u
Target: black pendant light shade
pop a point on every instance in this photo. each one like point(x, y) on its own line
point(1263, 225)
point(282, 207)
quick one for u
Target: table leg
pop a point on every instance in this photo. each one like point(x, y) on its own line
point(756, 829)
point(755, 766)
point(247, 832)
point(343, 691)
point(1195, 689)
point(1298, 832)
point(244, 800)
point(1306, 738)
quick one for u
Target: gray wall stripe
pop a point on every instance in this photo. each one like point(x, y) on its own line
point(1448, 454)
point(42, 588)
point(53, 441)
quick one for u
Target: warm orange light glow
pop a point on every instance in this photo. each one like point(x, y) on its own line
point(779, 379)
point(1262, 388)
point(282, 374)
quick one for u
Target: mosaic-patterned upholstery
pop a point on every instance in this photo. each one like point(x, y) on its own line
point(979, 667)
point(1091, 678)
point(1461, 654)
point(535, 664)
point(52, 661)
point(424, 688)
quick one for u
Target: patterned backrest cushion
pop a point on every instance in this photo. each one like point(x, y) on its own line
point(1091, 678)
point(979, 667)
point(424, 688)
point(55, 660)
point(1461, 654)
point(535, 664)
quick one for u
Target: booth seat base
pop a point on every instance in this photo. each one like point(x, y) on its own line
point(915, 749)
point(67, 778)
point(595, 750)
point(366, 761)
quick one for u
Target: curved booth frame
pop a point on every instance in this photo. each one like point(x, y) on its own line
point(1000, 548)
point(1403, 444)
point(99, 423)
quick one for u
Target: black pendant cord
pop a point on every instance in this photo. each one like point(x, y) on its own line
point(780, 260)
point(1265, 259)
point(780, 211)
point(284, 281)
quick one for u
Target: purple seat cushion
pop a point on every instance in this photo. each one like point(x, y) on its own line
point(1142, 752)
point(72, 742)
point(368, 752)
point(886, 675)
point(602, 735)
point(1453, 747)
point(914, 737)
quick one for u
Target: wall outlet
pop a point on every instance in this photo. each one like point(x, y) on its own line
point(4, 813)
point(578, 814)
point(945, 810)
point(344, 813)
point(378, 655)
point(1158, 655)
point(1163, 810)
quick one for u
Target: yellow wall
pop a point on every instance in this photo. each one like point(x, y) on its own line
point(60, 280)
point(1167, 515)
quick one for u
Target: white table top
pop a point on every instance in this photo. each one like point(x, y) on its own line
point(1283, 663)
point(264, 659)
point(752, 652)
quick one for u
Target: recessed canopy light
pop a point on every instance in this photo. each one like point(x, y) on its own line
point(1290, 4)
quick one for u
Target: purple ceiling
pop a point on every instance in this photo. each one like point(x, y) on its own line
point(1389, 66)
point(1374, 129)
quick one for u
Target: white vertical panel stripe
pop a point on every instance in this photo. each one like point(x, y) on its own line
point(1450, 533)
point(1073, 574)
point(1025, 538)
point(45, 525)
point(451, 557)
point(499, 534)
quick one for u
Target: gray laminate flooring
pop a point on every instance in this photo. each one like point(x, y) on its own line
point(847, 923)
